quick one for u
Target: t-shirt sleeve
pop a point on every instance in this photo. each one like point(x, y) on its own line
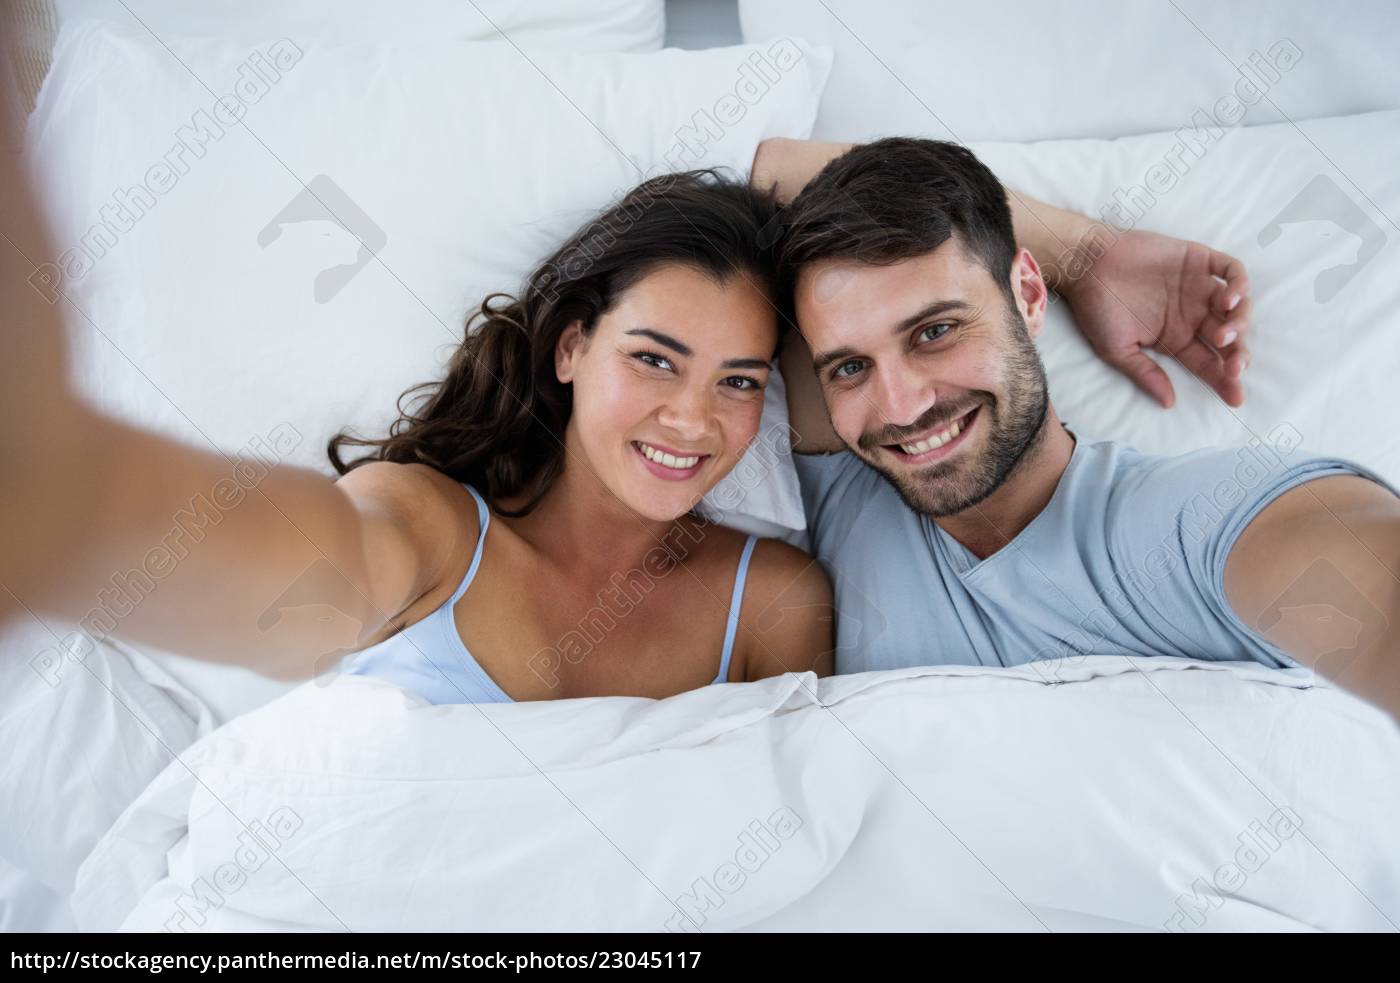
point(827, 482)
point(1174, 521)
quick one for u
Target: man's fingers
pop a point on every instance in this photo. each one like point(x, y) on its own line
point(1234, 358)
point(1146, 375)
point(1230, 302)
point(1202, 360)
point(1232, 271)
point(1227, 297)
point(1234, 354)
point(1231, 328)
point(1213, 370)
point(1236, 361)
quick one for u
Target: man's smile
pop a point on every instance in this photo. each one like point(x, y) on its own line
point(935, 443)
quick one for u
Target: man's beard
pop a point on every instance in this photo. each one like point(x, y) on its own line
point(1016, 423)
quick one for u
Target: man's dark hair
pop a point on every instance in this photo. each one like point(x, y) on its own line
point(896, 199)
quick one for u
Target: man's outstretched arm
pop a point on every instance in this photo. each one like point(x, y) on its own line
point(1129, 291)
point(1317, 572)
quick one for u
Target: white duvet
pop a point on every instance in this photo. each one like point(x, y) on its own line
point(1102, 793)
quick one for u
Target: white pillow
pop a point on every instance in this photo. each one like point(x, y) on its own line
point(576, 25)
point(1311, 209)
point(1031, 70)
point(461, 164)
point(212, 317)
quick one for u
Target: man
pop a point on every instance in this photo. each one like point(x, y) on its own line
point(963, 523)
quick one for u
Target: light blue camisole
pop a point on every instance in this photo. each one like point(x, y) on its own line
point(430, 659)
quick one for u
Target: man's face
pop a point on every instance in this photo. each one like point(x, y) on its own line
point(928, 370)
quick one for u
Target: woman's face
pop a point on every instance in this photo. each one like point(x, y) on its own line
point(668, 390)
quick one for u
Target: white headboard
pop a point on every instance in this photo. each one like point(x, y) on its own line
point(1029, 70)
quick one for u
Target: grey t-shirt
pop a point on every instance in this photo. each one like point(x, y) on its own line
point(1128, 558)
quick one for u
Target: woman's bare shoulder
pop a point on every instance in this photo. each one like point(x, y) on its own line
point(426, 519)
point(780, 567)
point(788, 613)
point(413, 490)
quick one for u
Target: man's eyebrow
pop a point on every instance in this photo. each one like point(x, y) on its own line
point(932, 310)
point(821, 360)
point(663, 339)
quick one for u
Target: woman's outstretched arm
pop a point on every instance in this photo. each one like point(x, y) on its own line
point(145, 538)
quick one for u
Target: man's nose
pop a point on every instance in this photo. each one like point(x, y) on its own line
point(903, 395)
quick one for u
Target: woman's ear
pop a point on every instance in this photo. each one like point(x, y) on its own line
point(571, 345)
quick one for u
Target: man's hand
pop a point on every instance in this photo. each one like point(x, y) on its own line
point(1152, 291)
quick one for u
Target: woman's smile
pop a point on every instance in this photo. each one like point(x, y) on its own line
point(667, 463)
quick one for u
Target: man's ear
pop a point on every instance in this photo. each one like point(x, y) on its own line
point(1029, 289)
point(572, 344)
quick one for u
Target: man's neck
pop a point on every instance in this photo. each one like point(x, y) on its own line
point(999, 518)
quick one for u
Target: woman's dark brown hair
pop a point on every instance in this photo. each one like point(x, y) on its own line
point(497, 420)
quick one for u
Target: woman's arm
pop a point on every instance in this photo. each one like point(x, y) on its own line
point(144, 538)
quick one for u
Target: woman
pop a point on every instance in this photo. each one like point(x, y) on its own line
point(525, 530)
point(579, 426)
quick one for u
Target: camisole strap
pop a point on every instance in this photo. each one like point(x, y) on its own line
point(735, 602)
point(484, 514)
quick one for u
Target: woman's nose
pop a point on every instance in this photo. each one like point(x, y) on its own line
point(687, 413)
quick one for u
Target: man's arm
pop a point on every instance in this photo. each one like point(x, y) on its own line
point(1317, 573)
point(786, 166)
point(809, 424)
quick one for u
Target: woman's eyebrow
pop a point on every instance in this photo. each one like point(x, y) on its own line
point(663, 339)
point(684, 349)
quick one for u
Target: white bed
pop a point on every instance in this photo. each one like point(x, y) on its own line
point(1302, 184)
point(1099, 795)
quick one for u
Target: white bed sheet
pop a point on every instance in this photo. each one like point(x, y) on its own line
point(84, 732)
point(1099, 793)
